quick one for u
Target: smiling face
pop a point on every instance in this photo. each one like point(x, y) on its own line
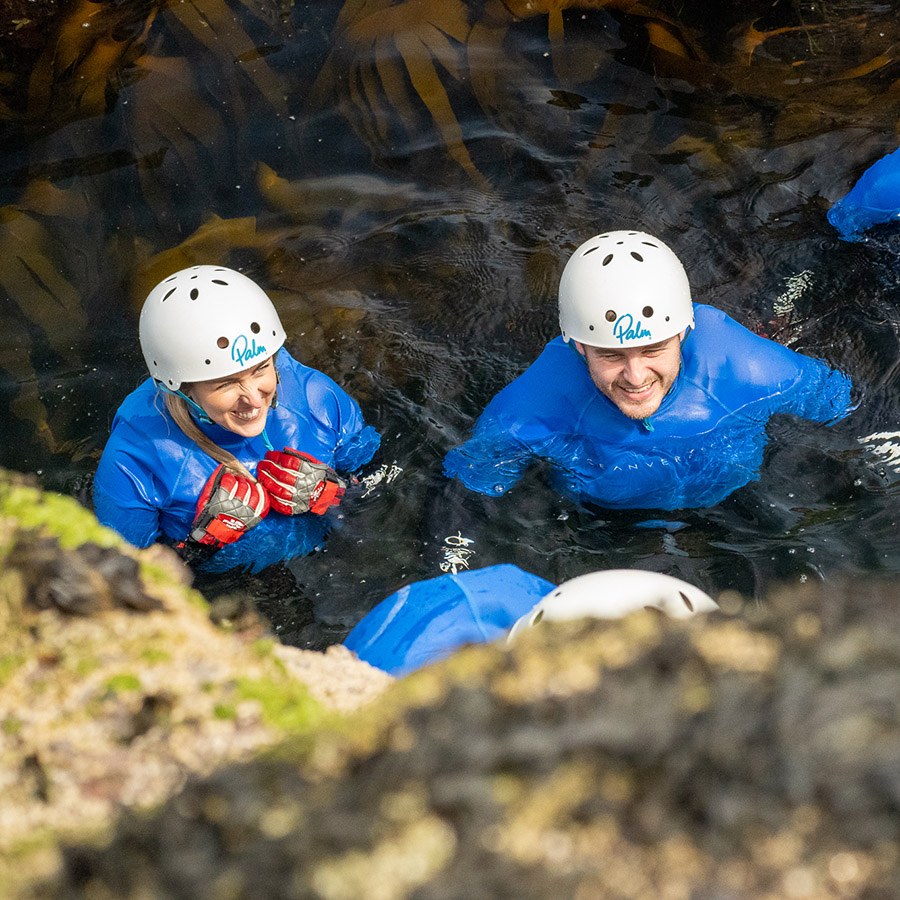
point(239, 402)
point(636, 379)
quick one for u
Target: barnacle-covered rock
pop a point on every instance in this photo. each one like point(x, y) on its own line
point(753, 755)
point(115, 686)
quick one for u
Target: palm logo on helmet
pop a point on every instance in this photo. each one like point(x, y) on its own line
point(623, 289)
point(207, 322)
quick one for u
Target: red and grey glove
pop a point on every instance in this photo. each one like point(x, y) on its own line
point(297, 482)
point(229, 506)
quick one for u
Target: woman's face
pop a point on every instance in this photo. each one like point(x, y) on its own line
point(239, 402)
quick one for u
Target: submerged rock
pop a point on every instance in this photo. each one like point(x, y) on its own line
point(721, 757)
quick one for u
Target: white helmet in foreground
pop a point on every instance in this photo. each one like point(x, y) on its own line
point(623, 289)
point(615, 593)
point(207, 322)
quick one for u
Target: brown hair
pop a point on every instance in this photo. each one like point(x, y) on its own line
point(178, 410)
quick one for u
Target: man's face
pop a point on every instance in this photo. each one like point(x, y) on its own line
point(635, 378)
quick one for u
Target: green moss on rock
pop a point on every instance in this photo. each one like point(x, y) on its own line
point(123, 683)
point(55, 514)
point(115, 681)
point(286, 704)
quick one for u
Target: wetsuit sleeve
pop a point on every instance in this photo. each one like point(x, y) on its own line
point(819, 393)
point(356, 448)
point(336, 419)
point(123, 498)
point(491, 461)
point(357, 442)
point(518, 426)
point(751, 369)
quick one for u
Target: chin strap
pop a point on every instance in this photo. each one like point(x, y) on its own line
point(197, 410)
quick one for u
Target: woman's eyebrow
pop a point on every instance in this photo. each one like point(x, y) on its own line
point(237, 376)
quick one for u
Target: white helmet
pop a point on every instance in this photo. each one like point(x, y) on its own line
point(615, 593)
point(207, 322)
point(623, 289)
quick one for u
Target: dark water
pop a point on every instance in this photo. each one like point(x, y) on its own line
point(407, 184)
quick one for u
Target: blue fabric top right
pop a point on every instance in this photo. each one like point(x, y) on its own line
point(873, 200)
point(705, 440)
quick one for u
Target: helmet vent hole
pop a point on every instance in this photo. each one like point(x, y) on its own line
point(687, 601)
point(254, 327)
point(608, 259)
point(219, 281)
point(590, 250)
point(222, 343)
point(637, 256)
point(194, 293)
point(647, 312)
point(155, 363)
point(168, 294)
point(667, 318)
point(207, 362)
point(538, 616)
point(591, 327)
point(648, 244)
point(610, 315)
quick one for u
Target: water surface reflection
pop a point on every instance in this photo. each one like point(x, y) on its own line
point(407, 179)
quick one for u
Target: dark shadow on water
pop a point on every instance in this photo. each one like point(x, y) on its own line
point(414, 252)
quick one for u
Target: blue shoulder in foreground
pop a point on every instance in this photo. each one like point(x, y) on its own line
point(151, 475)
point(873, 200)
point(705, 440)
point(426, 621)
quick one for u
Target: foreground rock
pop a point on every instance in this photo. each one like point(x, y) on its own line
point(753, 756)
point(115, 686)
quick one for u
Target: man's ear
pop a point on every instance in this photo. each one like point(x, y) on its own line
point(578, 346)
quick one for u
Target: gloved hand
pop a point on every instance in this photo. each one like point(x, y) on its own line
point(297, 482)
point(229, 506)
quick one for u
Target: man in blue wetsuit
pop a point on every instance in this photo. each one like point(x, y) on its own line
point(192, 458)
point(647, 400)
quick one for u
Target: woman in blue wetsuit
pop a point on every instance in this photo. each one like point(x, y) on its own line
point(231, 450)
point(647, 400)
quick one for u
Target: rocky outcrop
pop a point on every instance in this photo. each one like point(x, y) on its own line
point(743, 755)
point(727, 757)
point(115, 686)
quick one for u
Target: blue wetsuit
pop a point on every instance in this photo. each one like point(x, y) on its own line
point(151, 474)
point(426, 621)
point(705, 440)
point(873, 200)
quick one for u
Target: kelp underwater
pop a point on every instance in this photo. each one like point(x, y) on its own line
point(406, 179)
